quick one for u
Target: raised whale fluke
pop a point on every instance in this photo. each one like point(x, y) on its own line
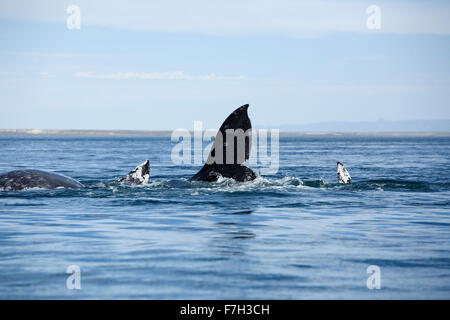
point(343, 175)
point(234, 138)
point(138, 175)
point(28, 178)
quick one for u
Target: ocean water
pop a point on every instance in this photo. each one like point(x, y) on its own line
point(294, 235)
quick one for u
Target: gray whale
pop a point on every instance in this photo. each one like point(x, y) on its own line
point(28, 178)
point(218, 165)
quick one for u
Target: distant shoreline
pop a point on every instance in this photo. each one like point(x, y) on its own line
point(167, 133)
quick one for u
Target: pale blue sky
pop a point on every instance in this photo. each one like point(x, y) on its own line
point(163, 64)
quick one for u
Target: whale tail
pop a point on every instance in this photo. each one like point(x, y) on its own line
point(230, 150)
point(343, 175)
point(138, 175)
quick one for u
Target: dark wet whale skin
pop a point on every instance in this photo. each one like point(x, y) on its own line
point(28, 178)
point(238, 119)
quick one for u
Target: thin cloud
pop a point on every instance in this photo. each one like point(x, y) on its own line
point(52, 54)
point(176, 75)
point(45, 74)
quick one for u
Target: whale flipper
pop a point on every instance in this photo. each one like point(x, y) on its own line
point(237, 126)
point(28, 178)
point(138, 175)
point(343, 175)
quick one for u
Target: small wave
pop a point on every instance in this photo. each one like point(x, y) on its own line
point(263, 184)
point(394, 185)
point(260, 183)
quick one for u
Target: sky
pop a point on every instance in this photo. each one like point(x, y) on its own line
point(161, 65)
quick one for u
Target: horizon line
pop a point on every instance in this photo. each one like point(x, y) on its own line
point(167, 133)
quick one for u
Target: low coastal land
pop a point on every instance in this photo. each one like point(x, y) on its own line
point(167, 133)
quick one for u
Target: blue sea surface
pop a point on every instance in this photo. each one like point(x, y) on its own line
point(297, 234)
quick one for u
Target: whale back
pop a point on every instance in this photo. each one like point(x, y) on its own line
point(28, 178)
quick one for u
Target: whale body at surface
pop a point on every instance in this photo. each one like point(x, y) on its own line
point(29, 178)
